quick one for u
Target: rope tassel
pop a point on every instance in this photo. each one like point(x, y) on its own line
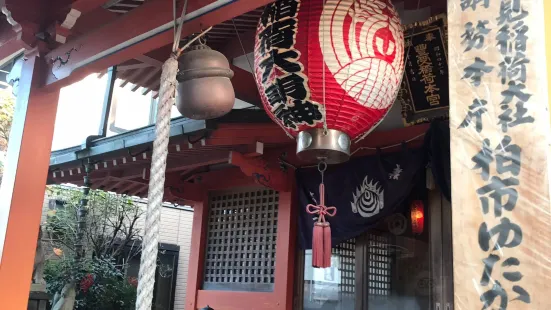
point(167, 96)
point(321, 236)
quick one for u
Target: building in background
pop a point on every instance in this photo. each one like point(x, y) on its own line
point(175, 239)
point(474, 86)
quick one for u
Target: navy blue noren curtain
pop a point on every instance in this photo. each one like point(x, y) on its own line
point(364, 190)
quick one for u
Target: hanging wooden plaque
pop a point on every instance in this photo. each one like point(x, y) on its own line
point(424, 92)
point(500, 137)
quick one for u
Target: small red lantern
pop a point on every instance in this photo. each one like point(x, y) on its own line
point(417, 217)
point(328, 71)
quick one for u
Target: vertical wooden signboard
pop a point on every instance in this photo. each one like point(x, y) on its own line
point(500, 142)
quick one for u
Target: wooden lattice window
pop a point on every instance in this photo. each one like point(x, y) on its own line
point(379, 267)
point(346, 252)
point(241, 240)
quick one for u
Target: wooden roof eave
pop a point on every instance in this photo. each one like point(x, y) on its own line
point(234, 130)
point(220, 153)
point(134, 138)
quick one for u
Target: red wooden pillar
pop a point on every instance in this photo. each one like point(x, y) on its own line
point(197, 255)
point(24, 181)
point(286, 249)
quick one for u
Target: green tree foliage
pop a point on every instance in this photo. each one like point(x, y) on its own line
point(110, 240)
point(102, 283)
point(7, 104)
point(110, 227)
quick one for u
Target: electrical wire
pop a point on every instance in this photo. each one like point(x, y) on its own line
point(388, 146)
point(243, 49)
point(180, 25)
point(254, 75)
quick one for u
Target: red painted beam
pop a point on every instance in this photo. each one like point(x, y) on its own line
point(61, 30)
point(34, 11)
point(16, 38)
point(143, 29)
point(92, 20)
point(223, 179)
point(265, 173)
point(206, 159)
point(10, 48)
point(133, 170)
point(244, 138)
point(234, 300)
point(185, 192)
point(234, 134)
point(233, 48)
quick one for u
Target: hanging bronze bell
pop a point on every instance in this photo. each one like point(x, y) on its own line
point(204, 89)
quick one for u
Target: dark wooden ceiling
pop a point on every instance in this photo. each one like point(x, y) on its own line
point(233, 38)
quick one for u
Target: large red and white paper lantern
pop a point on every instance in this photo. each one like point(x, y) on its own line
point(328, 71)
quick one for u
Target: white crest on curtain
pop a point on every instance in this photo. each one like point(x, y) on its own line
point(368, 199)
point(395, 175)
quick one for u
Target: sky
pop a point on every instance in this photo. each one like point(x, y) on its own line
point(80, 108)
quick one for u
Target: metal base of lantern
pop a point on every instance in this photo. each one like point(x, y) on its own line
point(314, 145)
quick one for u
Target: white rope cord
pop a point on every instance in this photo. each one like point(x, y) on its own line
point(148, 263)
point(150, 243)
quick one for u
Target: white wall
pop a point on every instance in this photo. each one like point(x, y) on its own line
point(176, 229)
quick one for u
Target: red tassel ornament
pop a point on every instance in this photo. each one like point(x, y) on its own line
point(317, 245)
point(321, 236)
point(327, 245)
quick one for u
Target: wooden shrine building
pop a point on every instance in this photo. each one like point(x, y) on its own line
point(239, 171)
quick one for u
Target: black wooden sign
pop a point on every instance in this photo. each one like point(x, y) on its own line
point(424, 92)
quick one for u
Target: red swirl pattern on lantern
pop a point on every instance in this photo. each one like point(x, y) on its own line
point(344, 59)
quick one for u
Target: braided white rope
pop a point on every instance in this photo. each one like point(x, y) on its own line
point(150, 243)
